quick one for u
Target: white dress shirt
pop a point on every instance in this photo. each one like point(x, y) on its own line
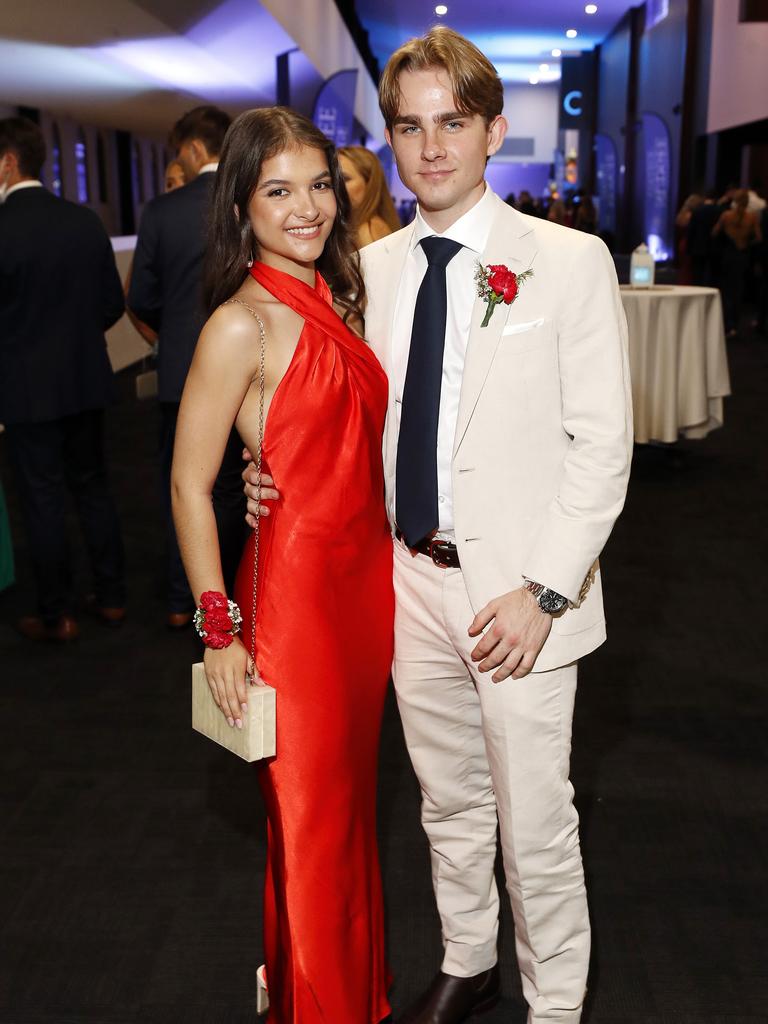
point(206, 168)
point(471, 231)
point(29, 183)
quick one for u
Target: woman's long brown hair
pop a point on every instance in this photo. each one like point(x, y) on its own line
point(254, 137)
point(377, 202)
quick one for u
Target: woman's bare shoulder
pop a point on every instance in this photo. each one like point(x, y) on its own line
point(232, 324)
point(239, 318)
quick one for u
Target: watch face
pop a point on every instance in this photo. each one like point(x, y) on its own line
point(551, 602)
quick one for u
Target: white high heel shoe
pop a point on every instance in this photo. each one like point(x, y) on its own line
point(262, 998)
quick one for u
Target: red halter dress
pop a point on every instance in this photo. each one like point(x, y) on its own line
point(324, 638)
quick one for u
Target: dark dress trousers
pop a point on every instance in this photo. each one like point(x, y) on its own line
point(59, 292)
point(702, 247)
point(166, 293)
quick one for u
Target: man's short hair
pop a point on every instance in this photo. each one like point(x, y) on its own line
point(22, 137)
point(206, 124)
point(476, 86)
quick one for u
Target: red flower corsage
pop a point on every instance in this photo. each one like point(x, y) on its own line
point(217, 620)
point(497, 283)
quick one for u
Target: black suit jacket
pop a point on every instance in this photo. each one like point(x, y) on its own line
point(59, 292)
point(700, 227)
point(166, 282)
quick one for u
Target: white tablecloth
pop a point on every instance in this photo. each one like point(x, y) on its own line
point(678, 361)
point(124, 343)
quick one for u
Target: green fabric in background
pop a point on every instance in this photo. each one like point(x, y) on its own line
point(6, 546)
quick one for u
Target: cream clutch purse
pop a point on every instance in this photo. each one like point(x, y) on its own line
point(258, 737)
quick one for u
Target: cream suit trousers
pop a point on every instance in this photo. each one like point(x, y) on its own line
point(488, 753)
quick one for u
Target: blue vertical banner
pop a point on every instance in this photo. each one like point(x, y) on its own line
point(658, 164)
point(606, 174)
point(335, 106)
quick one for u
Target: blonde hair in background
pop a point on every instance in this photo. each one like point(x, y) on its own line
point(476, 86)
point(377, 201)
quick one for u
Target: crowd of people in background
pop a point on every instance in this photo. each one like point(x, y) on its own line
point(574, 210)
point(722, 242)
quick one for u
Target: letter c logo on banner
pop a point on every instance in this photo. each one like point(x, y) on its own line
point(571, 103)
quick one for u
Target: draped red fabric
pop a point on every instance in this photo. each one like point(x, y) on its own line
point(324, 636)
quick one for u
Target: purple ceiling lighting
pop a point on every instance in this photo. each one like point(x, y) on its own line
point(521, 36)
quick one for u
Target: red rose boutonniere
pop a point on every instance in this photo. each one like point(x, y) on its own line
point(497, 283)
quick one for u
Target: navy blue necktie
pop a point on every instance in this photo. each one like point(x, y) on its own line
point(416, 508)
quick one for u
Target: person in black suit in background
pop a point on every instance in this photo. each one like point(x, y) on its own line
point(701, 247)
point(59, 292)
point(166, 293)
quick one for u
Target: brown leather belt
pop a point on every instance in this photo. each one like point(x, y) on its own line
point(442, 552)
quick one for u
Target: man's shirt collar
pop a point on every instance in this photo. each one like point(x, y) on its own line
point(471, 230)
point(23, 184)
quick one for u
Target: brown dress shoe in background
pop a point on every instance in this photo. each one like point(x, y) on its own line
point(63, 630)
point(179, 620)
point(110, 616)
point(450, 1000)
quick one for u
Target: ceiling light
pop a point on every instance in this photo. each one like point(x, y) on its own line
point(441, 9)
point(590, 9)
point(534, 80)
point(571, 33)
point(557, 53)
point(543, 67)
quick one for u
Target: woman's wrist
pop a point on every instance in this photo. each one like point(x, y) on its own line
point(217, 620)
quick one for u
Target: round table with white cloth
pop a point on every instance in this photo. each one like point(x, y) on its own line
point(678, 361)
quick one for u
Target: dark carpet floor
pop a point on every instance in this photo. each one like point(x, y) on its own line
point(132, 850)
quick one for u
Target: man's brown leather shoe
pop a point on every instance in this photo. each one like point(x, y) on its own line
point(450, 1000)
point(110, 615)
point(179, 620)
point(62, 631)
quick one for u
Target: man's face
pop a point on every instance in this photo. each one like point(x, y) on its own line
point(192, 155)
point(440, 152)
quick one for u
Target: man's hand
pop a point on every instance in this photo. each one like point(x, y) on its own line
point(514, 641)
point(251, 480)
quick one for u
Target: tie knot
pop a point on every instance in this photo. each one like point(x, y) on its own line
point(439, 251)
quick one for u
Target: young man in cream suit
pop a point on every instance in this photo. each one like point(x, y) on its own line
point(510, 448)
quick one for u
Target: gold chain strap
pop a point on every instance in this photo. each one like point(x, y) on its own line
point(256, 529)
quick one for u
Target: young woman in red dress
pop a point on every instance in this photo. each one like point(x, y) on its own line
point(282, 253)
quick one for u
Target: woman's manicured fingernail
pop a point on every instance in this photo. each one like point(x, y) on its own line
point(244, 707)
point(231, 722)
point(239, 723)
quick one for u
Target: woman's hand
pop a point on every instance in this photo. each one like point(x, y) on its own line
point(226, 671)
point(251, 480)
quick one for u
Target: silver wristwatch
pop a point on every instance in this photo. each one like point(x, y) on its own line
point(548, 600)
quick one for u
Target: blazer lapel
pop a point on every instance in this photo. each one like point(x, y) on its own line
point(387, 272)
point(383, 276)
point(513, 243)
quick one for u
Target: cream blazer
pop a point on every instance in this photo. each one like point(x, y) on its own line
point(543, 441)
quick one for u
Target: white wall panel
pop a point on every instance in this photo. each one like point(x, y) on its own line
point(738, 78)
point(320, 32)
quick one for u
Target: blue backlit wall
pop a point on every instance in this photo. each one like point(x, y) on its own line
point(660, 80)
point(613, 122)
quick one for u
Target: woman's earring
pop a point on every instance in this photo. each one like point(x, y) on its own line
point(249, 263)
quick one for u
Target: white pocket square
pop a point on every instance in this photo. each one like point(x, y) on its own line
point(529, 325)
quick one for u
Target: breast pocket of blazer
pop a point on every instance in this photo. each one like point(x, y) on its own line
point(526, 336)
